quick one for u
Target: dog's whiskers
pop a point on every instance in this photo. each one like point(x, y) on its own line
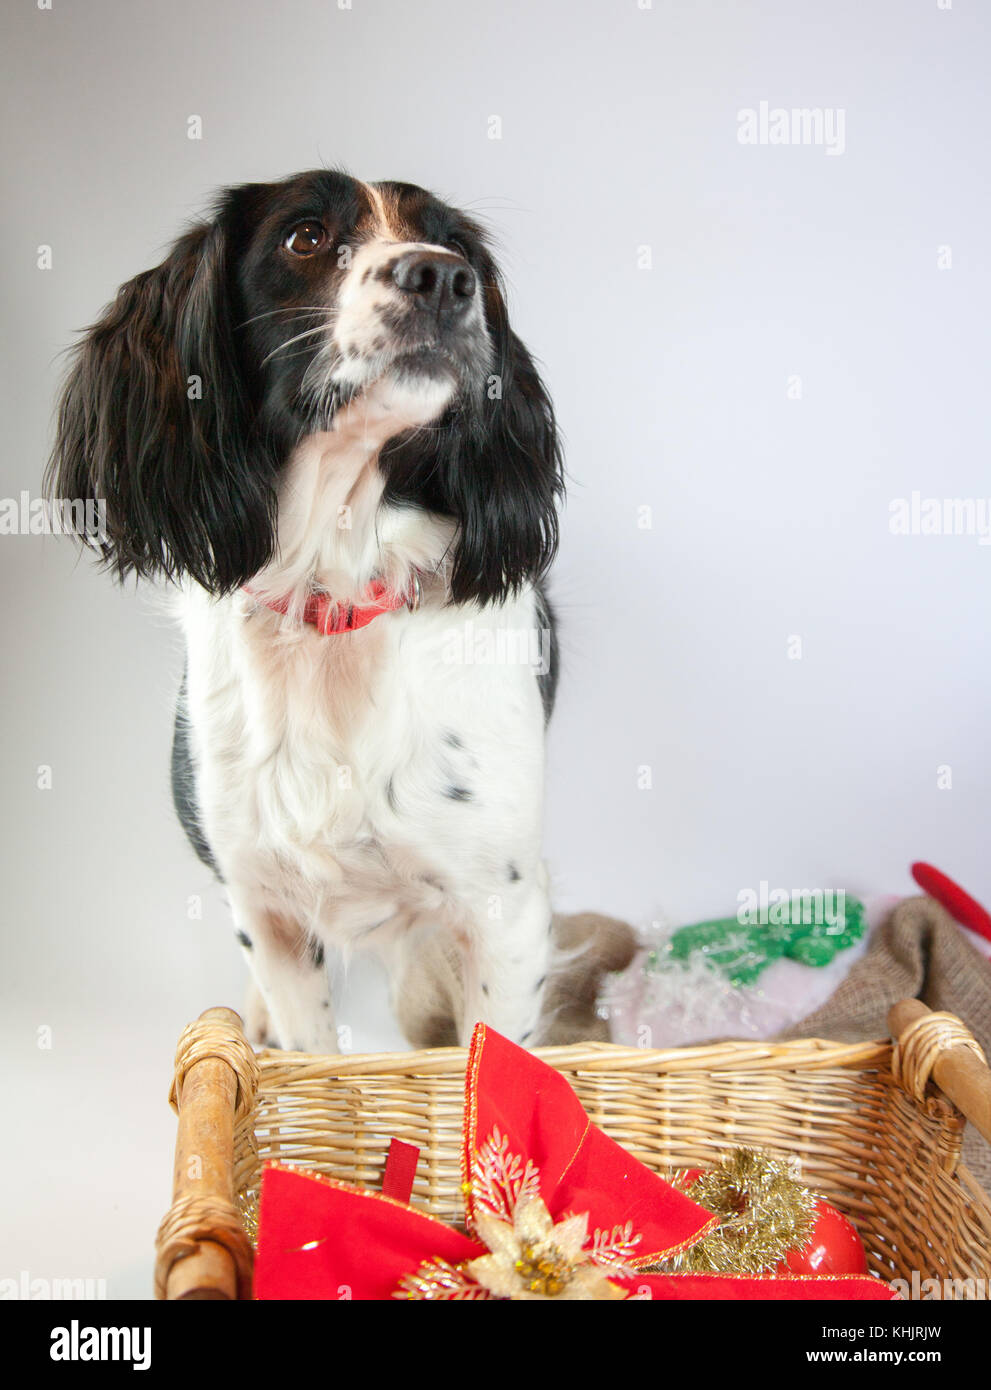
point(308, 333)
point(297, 309)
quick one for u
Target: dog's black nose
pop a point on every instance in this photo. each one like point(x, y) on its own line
point(442, 283)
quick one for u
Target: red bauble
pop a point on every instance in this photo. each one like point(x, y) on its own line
point(833, 1247)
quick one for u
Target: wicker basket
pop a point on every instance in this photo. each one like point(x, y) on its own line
point(874, 1134)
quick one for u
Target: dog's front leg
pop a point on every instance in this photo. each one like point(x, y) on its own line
point(506, 963)
point(290, 973)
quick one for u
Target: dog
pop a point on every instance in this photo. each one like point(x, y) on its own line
point(314, 418)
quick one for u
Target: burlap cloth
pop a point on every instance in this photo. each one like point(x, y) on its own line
point(919, 951)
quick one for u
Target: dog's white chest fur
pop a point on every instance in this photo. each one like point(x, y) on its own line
point(412, 748)
point(362, 789)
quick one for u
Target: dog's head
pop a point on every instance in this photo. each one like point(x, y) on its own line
point(295, 302)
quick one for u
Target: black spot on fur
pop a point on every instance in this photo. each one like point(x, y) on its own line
point(245, 940)
point(452, 740)
point(514, 874)
point(459, 793)
point(316, 953)
point(540, 984)
point(390, 794)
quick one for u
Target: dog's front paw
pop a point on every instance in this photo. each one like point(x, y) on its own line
point(257, 1025)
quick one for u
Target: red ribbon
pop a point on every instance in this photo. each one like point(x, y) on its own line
point(400, 1170)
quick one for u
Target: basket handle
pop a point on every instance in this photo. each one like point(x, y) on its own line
point(939, 1044)
point(202, 1250)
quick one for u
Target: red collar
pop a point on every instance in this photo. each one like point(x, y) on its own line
point(330, 617)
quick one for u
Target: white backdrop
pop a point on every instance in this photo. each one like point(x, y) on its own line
point(755, 351)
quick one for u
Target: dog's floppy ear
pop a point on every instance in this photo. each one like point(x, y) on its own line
point(153, 423)
point(494, 465)
point(506, 488)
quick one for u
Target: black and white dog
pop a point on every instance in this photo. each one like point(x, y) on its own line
point(315, 418)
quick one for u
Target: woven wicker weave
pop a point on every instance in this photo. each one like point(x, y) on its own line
point(889, 1160)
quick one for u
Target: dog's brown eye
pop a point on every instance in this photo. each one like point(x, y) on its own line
point(306, 238)
point(456, 245)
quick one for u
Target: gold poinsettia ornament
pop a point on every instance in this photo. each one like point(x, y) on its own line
point(534, 1258)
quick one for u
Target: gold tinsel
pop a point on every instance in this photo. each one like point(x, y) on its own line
point(763, 1214)
point(247, 1205)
